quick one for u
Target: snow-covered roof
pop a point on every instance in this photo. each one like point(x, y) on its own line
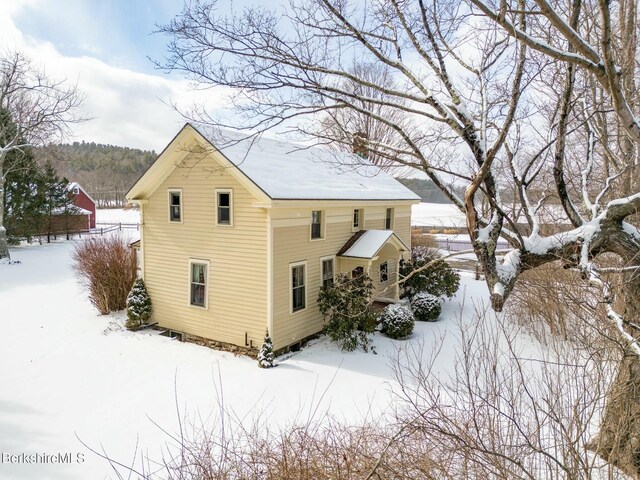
point(72, 185)
point(367, 243)
point(71, 210)
point(287, 171)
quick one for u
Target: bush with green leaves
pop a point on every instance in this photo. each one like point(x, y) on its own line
point(138, 306)
point(346, 307)
point(426, 307)
point(396, 321)
point(432, 275)
point(265, 355)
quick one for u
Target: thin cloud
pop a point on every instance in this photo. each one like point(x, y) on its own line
point(126, 107)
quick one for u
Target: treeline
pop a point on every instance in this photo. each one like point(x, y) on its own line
point(106, 172)
point(427, 190)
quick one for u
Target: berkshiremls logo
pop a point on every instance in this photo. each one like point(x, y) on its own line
point(41, 458)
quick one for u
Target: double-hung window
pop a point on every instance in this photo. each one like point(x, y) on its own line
point(388, 219)
point(224, 207)
point(327, 271)
point(384, 272)
point(316, 224)
point(358, 219)
point(175, 205)
point(198, 273)
point(298, 287)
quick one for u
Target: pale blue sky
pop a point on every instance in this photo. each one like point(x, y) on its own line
point(103, 45)
point(118, 32)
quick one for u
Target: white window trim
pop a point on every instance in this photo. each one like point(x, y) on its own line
point(76, 191)
point(322, 260)
point(207, 282)
point(380, 281)
point(360, 220)
point(392, 223)
point(169, 192)
point(323, 222)
point(230, 192)
point(306, 287)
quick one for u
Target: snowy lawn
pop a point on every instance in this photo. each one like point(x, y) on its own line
point(118, 215)
point(68, 373)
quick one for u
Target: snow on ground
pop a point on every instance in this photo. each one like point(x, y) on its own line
point(66, 375)
point(118, 215)
point(436, 215)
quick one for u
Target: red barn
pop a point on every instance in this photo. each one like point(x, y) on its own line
point(82, 199)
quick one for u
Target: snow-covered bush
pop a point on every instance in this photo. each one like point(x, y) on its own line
point(346, 307)
point(397, 321)
point(138, 306)
point(265, 355)
point(107, 266)
point(432, 274)
point(426, 307)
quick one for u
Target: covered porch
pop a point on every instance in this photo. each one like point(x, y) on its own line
point(376, 253)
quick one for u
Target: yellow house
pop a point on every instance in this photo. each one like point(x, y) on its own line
point(238, 234)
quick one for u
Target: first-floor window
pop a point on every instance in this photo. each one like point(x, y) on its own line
point(198, 293)
point(357, 272)
point(327, 272)
point(384, 272)
point(298, 294)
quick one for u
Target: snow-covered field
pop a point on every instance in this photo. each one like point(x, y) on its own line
point(118, 215)
point(68, 373)
point(436, 215)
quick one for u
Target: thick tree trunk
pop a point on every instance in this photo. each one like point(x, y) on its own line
point(618, 440)
point(4, 246)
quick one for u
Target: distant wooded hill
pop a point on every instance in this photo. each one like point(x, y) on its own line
point(107, 172)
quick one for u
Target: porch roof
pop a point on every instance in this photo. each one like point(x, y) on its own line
point(367, 243)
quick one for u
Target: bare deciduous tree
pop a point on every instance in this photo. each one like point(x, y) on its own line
point(532, 96)
point(35, 108)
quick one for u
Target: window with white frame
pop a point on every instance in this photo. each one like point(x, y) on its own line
point(175, 205)
point(224, 207)
point(327, 265)
point(76, 191)
point(388, 219)
point(316, 224)
point(358, 219)
point(298, 287)
point(198, 272)
point(384, 272)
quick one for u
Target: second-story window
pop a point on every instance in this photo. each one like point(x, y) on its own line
point(316, 224)
point(388, 219)
point(358, 219)
point(175, 206)
point(224, 207)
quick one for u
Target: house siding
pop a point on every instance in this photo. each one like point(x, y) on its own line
point(292, 244)
point(237, 276)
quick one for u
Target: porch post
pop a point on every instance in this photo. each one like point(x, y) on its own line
point(396, 288)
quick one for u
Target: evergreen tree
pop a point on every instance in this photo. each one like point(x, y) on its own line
point(265, 355)
point(54, 195)
point(138, 306)
point(22, 203)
